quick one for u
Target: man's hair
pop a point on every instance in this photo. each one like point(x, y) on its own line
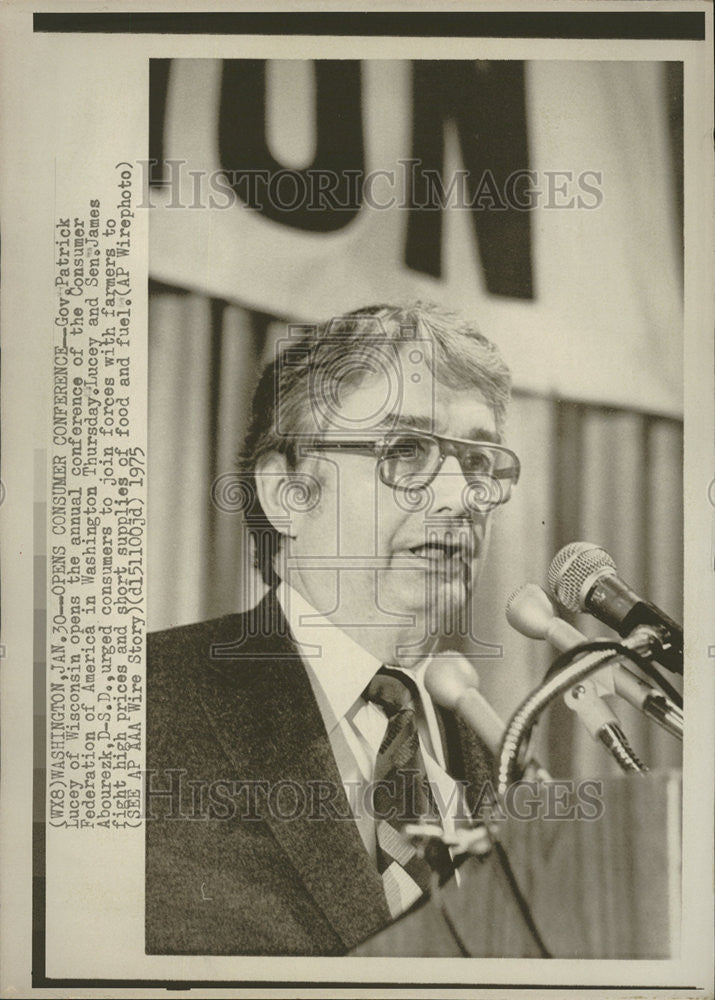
point(340, 354)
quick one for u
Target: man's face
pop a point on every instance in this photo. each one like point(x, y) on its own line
point(387, 564)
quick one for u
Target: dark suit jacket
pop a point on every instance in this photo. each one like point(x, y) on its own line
point(236, 862)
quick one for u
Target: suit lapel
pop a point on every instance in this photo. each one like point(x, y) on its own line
point(265, 716)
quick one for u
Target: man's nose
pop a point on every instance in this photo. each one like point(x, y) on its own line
point(449, 489)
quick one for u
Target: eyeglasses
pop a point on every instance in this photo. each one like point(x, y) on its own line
point(410, 460)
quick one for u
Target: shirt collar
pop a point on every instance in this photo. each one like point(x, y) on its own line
point(339, 669)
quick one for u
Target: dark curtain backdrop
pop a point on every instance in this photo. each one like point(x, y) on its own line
point(609, 476)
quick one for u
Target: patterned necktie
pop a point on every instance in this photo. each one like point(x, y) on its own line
point(401, 793)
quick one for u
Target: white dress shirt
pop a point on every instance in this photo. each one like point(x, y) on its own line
point(339, 671)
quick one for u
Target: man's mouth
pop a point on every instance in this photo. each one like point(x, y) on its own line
point(443, 554)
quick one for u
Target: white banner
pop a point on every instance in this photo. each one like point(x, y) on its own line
point(602, 240)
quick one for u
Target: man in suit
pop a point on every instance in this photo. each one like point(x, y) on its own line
point(275, 737)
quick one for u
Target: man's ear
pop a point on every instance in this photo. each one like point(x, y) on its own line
point(272, 478)
point(285, 494)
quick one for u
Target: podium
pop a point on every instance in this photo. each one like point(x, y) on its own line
point(604, 887)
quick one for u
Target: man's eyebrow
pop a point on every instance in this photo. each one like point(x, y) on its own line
point(484, 434)
point(416, 422)
point(420, 422)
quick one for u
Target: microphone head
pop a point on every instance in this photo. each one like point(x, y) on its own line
point(530, 611)
point(573, 567)
point(448, 676)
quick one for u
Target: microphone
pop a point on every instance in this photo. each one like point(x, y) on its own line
point(601, 723)
point(452, 682)
point(582, 577)
point(530, 612)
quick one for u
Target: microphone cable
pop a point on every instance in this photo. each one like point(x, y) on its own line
point(508, 872)
point(438, 896)
point(504, 866)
